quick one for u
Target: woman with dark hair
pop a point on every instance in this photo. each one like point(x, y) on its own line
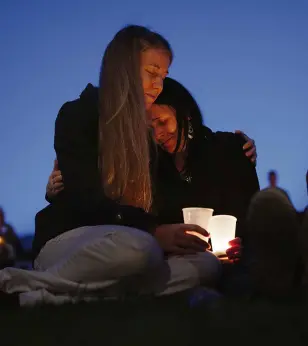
point(198, 167)
point(201, 168)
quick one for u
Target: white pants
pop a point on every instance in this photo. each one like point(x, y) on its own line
point(107, 261)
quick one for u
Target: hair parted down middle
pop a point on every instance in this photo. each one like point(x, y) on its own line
point(123, 129)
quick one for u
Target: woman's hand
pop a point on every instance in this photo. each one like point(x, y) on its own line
point(235, 251)
point(174, 239)
point(249, 146)
point(55, 182)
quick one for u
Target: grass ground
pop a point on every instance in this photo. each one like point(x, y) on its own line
point(156, 323)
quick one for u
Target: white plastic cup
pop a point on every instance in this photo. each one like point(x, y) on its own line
point(199, 217)
point(222, 229)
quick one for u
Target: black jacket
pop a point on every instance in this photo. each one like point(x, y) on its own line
point(222, 178)
point(82, 202)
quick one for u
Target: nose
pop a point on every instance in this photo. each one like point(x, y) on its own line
point(158, 134)
point(158, 84)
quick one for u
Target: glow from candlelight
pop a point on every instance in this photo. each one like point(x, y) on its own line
point(202, 237)
point(222, 229)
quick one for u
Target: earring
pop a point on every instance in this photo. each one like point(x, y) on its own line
point(190, 130)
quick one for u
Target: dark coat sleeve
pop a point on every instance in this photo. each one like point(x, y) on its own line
point(76, 146)
point(48, 199)
point(238, 176)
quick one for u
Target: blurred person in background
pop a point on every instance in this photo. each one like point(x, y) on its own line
point(272, 178)
point(10, 244)
point(273, 182)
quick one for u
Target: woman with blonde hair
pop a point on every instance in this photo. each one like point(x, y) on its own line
point(99, 236)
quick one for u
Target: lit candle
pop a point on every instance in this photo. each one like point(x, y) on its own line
point(222, 229)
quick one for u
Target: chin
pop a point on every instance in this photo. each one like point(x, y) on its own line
point(169, 150)
point(148, 104)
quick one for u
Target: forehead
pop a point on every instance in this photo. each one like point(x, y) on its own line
point(156, 57)
point(158, 111)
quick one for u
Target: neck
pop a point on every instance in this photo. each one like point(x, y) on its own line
point(180, 160)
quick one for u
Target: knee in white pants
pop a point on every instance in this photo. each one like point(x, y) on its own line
point(137, 251)
point(100, 253)
point(192, 271)
point(209, 268)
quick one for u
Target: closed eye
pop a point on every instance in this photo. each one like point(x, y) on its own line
point(157, 74)
point(159, 121)
point(152, 73)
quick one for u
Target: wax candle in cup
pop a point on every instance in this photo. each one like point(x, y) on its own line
point(222, 229)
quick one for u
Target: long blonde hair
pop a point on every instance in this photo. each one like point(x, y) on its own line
point(124, 158)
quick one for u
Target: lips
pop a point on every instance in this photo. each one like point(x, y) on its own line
point(167, 143)
point(152, 97)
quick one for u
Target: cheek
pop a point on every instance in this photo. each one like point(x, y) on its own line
point(171, 127)
point(146, 81)
point(160, 133)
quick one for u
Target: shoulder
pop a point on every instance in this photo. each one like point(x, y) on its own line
point(78, 117)
point(229, 140)
point(220, 137)
point(228, 149)
point(81, 110)
point(70, 123)
point(206, 132)
point(68, 113)
point(77, 114)
point(70, 109)
point(224, 135)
